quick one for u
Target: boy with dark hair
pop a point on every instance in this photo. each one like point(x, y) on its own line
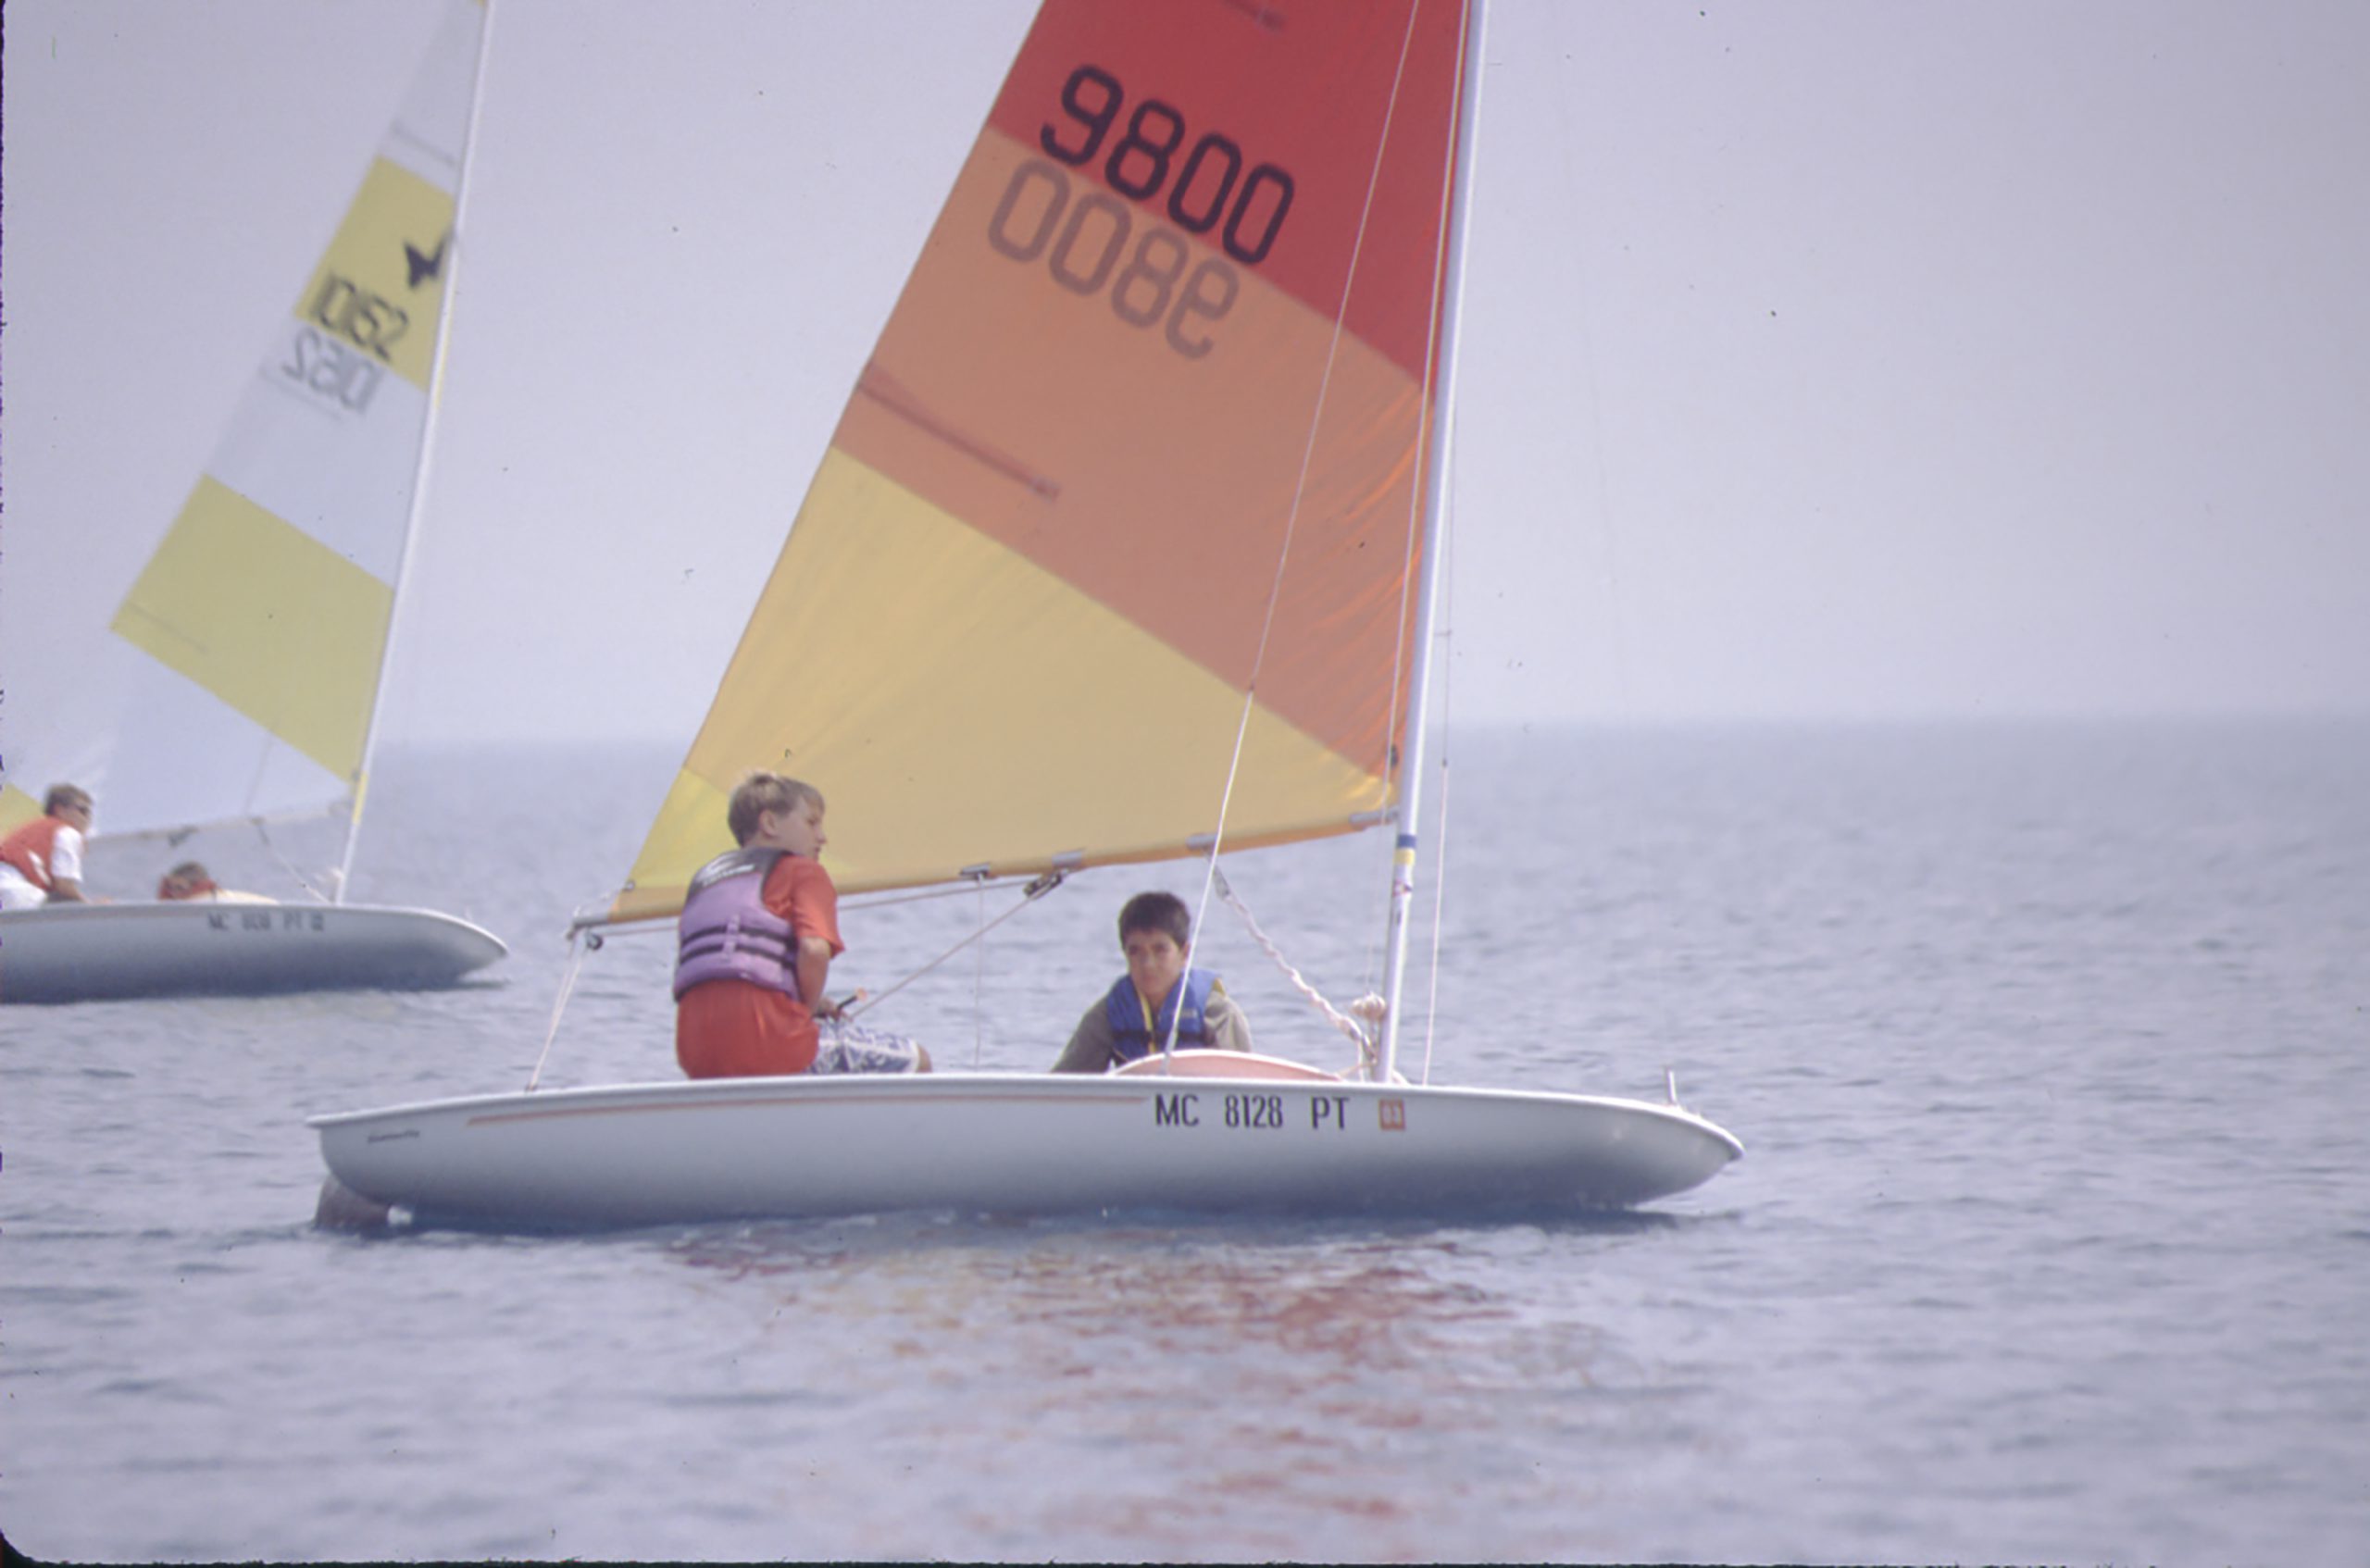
point(1133, 1019)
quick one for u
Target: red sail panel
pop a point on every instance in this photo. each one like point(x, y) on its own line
point(1309, 87)
point(1154, 459)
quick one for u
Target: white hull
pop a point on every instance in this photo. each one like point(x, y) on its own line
point(90, 953)
point(727, 1148)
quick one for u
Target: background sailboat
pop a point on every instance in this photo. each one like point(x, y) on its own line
point(1119, 553)
point(238, 680)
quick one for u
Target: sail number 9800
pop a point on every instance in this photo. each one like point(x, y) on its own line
point(1083, 242)
point(1209, 183)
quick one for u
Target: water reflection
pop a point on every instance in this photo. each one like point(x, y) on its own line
point(1274, 1373)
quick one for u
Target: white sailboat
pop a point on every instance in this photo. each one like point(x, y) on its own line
point(239, 678)
point(1122, 551)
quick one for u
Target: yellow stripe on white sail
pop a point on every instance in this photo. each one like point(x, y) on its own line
point(1065, 725)
point(262, 615)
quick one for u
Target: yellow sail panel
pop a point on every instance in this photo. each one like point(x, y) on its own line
point(1033, 721)
point(263, 616)
point(380, 285)
point(690, 832)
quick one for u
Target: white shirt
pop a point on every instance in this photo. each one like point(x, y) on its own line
point(66, 855)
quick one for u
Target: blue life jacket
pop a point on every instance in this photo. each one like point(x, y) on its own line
point(1133, 1036)
point(727, 933)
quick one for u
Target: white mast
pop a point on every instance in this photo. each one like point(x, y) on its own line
point(426, 446)
point(1403, 865)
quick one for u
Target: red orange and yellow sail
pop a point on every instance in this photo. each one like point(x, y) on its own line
point(1144, 436)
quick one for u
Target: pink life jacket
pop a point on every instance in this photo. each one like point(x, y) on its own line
point(726, 932)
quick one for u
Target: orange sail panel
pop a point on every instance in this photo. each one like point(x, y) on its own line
point(1164, 360)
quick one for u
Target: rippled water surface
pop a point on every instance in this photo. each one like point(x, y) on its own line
point(2051, 1242)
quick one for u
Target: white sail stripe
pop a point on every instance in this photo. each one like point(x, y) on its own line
point(297, 449)
point(430, 129)
point(183, 756)
point(420, 158)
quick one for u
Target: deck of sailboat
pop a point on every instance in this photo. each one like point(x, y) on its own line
point(654, 1153)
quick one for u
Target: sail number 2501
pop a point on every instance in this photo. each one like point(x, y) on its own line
point(1085, 242)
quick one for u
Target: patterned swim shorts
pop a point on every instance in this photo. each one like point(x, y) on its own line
point(843, 1047)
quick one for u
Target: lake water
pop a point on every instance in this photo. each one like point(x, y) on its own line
point(2052, 1241)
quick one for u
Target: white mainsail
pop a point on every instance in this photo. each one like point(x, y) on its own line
point(238, 677)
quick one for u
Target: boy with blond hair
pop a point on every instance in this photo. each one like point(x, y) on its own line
point(759, 929)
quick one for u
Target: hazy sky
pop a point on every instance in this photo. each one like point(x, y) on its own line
point(1828, 360)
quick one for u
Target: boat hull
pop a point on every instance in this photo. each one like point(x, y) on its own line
point(643, 1154)
point(100, 952)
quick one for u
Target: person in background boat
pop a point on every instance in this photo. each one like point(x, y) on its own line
point(191, 880)
point(42, 862)
point(758, 932)
point(1133, 1020)
point(187, 881)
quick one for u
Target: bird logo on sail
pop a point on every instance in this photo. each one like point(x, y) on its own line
point(422, 268)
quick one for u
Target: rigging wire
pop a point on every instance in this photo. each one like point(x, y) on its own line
point(1030, 895)
point(336, 874)
point(1378, 949)
point(576, 950)
point(1448, 288)
point(1349, 1025)
point(1300, 491)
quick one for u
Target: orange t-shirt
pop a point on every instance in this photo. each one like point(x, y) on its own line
point(737, 1030)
